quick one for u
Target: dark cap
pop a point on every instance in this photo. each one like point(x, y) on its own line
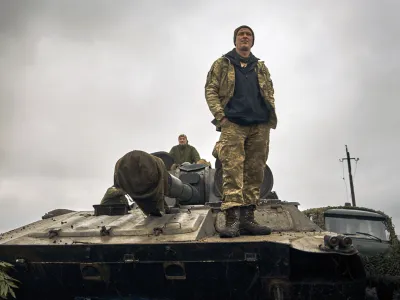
point(236, 31)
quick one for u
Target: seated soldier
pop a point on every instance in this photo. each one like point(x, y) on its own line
point(184, 152)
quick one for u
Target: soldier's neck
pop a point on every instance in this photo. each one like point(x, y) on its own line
point(243, 53)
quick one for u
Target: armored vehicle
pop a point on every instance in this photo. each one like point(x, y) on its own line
point(120, 252)
point(366, 228)
point(373, 235)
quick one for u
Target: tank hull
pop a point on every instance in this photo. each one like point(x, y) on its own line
point(229, 270)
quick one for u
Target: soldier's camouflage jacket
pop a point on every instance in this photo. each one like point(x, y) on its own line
point(220, 87)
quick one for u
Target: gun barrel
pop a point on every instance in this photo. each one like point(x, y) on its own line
point(146, 180)
point(181, 191)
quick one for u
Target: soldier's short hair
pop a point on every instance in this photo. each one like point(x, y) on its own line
point(182, 135)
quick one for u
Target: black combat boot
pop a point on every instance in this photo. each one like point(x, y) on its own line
point(248, 225)
point(232, 223)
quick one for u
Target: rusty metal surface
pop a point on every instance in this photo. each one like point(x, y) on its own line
point(279, 217)
point(188, 226)
point(303, 241)
point(84, 227)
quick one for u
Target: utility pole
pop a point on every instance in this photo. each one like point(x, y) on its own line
point(353, 197)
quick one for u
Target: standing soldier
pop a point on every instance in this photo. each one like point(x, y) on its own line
point(240, 95)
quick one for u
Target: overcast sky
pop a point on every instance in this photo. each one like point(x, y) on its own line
point(84, 82)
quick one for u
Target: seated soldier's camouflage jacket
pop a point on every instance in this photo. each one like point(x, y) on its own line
point(220, 87)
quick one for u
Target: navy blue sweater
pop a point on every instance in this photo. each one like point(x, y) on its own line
point(247, 106)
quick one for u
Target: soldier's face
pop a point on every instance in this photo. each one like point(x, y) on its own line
point(182, 140)
point(244, 39)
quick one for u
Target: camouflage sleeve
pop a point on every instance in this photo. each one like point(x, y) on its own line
point(270, 86)
point(195, 155)
point(212, 90)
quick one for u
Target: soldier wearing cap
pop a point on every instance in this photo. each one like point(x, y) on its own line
point(240, 95)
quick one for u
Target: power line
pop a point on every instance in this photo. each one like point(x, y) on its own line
point(355, 171)
point(345, 185)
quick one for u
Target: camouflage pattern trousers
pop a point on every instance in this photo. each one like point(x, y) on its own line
point(243, 152)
